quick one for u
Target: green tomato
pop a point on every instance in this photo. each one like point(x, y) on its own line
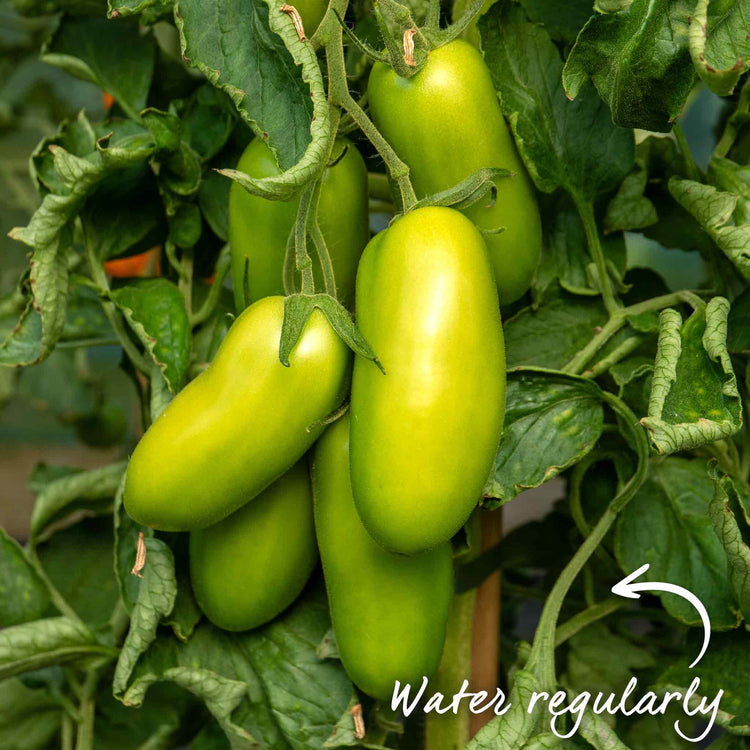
point(311, 12)
point(389, 612)
point(259, 228)
point(445, 122)
point(240, 424)
point(252, 565)
point(425, 433)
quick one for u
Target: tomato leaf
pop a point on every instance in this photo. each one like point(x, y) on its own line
point(81, 489)
point(561, 412)
point(694, 398)
point(155, 310)
point(722, 217)
point(639, 61)
point(23, 595)
point(156, 597)
point(678, 540)
point(255, 683)
point(113, 55)
point(725, 666)
point(42, 643)
point(572, 145)
point(150, 11)
point(273, 79)
point(730, 515)
point(29, 718)
point(720, 43)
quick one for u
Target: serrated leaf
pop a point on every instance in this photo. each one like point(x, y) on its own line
point(49, 234)
point(273, 79)
point(23, 595)
point(725, 666)
point(720, 43)
point(572, 145)
point(562, 413)
point(666, 524)
point(553, 334)
point(694, 397)
point(43, 643)
point(126, 532)
point(156, 597)
point(155, 310)
point(113, 55)
point(630, 209)
point(715, 212)
point(639, 61)
point(728, 511)
point(82, 489)
point(265, 687)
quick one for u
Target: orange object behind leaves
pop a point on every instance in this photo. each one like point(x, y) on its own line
point(143, 264)
point(107, 100)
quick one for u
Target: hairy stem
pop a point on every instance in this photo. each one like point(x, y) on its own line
point(694, 172)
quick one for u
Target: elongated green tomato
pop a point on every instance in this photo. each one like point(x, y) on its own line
point(239, 425)
point(445, 122)
point(259, 228)
point(252, 565)
point(425, 433)
point(389, 611)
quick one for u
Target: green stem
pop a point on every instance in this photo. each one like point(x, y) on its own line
point(619, 318)
point(185, 283)
point(586, 212)
point(66, 732)
point(303, 262)
point(542, 657)
point(620, 352)
point(223, 264)
point(81, 343)
point(339, 96)
point(85, 736)
point(585, 618)
point(113, 315)
point(734, 123)
point(694, 172)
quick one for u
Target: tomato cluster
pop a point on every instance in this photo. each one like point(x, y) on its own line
point(399, 475)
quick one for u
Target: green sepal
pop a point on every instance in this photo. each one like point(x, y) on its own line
point(468, 191)
point(299, 307)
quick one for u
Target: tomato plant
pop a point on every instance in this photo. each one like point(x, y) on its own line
point(319, 319)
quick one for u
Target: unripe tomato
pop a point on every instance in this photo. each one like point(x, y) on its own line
point(311, 12)
point(252, 565)
point(259, 228)
point(445, 122)
point(389, 612)
point(240, 424)
point(425, 433)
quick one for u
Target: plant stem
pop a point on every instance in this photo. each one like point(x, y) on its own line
point(620, 352)
point(734, 123)
point(586, 212)
point(112, 313)
point(694, 172)
point(85, 736)
point(223, 264)
point(303, 261)
point(585, 618)
point(66, 732)
point(339, 96)
point(542, 657)
point(619, 318)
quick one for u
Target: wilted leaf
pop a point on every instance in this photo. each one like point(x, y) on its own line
point(694, 398)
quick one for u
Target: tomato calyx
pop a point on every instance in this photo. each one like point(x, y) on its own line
point(297, 310)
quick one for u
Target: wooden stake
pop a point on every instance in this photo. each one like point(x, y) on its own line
point(485, 647)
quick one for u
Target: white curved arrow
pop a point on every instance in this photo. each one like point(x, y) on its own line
point(628, 588)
